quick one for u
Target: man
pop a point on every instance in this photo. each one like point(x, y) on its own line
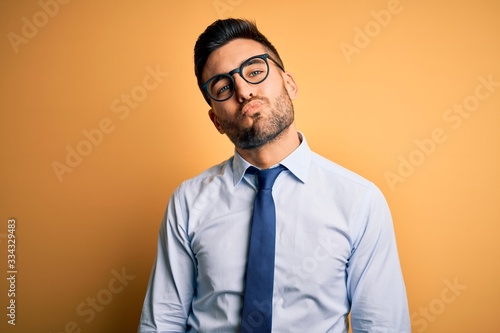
point(333, 246)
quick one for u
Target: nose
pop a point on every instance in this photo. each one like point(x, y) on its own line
point(242, 89)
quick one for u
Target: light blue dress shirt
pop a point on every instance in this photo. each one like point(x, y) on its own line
point(335, 252)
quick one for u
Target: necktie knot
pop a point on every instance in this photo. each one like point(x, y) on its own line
point(267, 177)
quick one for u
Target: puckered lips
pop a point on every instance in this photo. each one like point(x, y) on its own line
point(251, 107)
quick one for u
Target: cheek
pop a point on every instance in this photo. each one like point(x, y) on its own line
point(274, 87)
point(224, 114)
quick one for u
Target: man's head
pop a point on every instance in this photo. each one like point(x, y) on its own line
point(243, 80)
point(219, 34)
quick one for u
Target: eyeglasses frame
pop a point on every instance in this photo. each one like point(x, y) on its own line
point(238, 70)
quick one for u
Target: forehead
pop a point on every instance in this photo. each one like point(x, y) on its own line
point(231, 56)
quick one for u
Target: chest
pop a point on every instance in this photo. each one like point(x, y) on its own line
point(312, 240)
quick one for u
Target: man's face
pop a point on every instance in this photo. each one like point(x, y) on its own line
point(256, 113)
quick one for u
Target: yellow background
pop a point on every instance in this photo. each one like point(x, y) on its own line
point(364, 110)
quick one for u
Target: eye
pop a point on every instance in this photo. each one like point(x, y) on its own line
point(223, 89)
point(220, 86)
point(255, 72)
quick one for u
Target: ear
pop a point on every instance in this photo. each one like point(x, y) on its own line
point(215, 121)
point(290, 85)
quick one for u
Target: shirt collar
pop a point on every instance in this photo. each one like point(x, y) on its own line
point(297, 162)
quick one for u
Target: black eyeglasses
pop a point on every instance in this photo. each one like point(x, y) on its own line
point(254, 70)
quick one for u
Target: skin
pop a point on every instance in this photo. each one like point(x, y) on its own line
point(264, 110)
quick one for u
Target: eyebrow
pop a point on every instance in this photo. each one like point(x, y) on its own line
point(251, 61)
point(217, 78)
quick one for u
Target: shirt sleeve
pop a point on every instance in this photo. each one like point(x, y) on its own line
point(375, 283)
point(172, 283)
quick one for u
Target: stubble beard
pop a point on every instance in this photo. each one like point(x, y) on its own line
point(262, 131)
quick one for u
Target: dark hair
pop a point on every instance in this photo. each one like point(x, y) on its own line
point(222, 32)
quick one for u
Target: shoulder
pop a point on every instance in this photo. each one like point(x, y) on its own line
point(342, 180)
point(338, 172)
point(196, 197)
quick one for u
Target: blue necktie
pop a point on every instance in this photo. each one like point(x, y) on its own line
point(257, 304)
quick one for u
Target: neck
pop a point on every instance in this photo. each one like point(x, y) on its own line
point(274, 151)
